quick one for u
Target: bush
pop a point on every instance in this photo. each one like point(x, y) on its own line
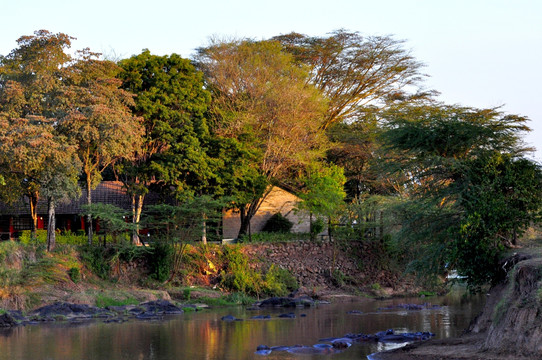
point(317, 226)
point(238, 275)
point(96, 259)
point(74, 274)
point(26, 237)
point(279, 282)
point(160, 260)
point(278, 224)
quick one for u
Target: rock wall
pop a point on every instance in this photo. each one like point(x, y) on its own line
point(312, 263)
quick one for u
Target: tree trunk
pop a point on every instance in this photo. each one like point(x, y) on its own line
point(89, 216)
point(33, 200)
point(137, 208)
point(51, 225)
point(247, 213)
point(311, 227)
point(204, 230)
point(329, 227)
point(381, 226)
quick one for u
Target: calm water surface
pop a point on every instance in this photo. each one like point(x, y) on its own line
point(203, 335)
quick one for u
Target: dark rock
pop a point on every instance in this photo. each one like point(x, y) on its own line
point(230, 318)
point(7, 321)
point(356, 312)
point(115, 320)
point(263, 352)
point(263, 347)
point(303, 301)
point(149, 315)
point(261, 317)
point(120, 309)
point(287, 316)
point(280, 348)
point(341, 344)
point(161, 307)
point(17, 315)
point(61, 310)
point(384, 333)
point(305, 350)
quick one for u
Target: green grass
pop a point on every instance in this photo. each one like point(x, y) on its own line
point(103, 301)
point(268, 237)
point(228, 300)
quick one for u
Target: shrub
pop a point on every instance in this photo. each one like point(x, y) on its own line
point(26, 237)
point(278, 223)
point(96, 260)
point(74, 274)
point(317, 226)
point(160, 260)
point(238, 275)
point(279, 281)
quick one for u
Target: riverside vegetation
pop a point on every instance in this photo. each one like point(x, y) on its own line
point(343, 121)
point(121, 273)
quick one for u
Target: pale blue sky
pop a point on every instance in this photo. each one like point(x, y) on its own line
point(480, 53)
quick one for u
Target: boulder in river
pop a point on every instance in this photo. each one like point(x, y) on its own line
point(7, 321)
point(69, 311)
point(303, 301)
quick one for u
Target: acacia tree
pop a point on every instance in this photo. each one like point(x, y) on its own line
point(471, 190)
point(353, 71)
point(262, 98)
point(98, 118)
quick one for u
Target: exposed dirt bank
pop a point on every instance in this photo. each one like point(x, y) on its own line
point(510, 326)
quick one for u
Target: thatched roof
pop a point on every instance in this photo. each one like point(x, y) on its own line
point(107, 192)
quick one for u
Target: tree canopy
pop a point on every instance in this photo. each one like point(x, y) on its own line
point(354, 71)
point(262, 97)
point(467, 184)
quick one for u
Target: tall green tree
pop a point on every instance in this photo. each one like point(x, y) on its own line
point(98, 118)
point(471, 189)
point(172, 100)
point(323, 193)
point(262, 98)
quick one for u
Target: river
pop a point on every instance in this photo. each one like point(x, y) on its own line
point(203, 335)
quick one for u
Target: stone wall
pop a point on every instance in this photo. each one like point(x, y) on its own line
point(312, 263)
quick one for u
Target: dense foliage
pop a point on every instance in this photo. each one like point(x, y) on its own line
point(471, 192)
point(330, 118)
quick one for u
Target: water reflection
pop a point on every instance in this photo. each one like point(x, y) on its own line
point(203, 335)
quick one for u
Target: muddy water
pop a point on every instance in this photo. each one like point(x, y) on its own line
point(203, 335)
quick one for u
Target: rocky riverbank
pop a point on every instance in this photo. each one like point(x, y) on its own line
point(62, 311)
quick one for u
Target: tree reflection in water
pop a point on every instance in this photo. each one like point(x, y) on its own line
point(203, 335)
